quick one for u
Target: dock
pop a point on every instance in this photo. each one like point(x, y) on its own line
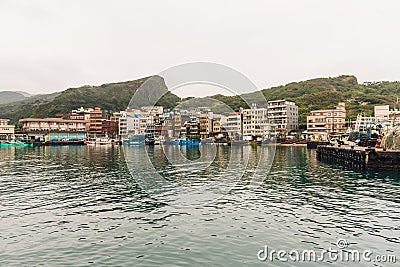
point(369, 159)
point(315, 144)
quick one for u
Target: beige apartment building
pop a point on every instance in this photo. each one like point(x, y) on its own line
point(54, 129)
point(255, 123)
point(96, 123)
point(322, 123)
point(153, 110)
point(53, 125)
point(176, 123)
point(381, 113)
point(209, 125)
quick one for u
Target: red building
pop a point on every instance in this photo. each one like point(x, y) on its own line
point(109, 128)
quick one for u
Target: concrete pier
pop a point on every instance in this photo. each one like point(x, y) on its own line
point(59, 143)
point(315, 144)
point(370, 159)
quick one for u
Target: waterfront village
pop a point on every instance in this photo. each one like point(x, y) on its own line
point(277, 122)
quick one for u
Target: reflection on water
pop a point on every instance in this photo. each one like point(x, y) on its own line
point(81, 206)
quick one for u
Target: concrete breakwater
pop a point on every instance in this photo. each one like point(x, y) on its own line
point(369, 159)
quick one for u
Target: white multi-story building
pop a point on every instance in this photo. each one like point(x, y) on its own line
point(233, 125)
point(284, 116)
point(136, 122)
point(123, 125)
point(6, 130)
point(381, 113)
point(255, 123)
point(81, 114)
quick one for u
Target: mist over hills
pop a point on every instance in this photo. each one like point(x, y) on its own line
point(12, 96)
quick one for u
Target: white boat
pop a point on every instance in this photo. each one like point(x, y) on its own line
point(98, 141)
point(207, 141)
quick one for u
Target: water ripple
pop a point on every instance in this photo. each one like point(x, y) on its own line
point(80, 206)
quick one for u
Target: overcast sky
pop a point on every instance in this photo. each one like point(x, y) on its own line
point(48, 45)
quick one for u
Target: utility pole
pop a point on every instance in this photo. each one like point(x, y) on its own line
point(395, 111)
point(333, 120)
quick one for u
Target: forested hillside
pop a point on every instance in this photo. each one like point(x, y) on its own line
point(111, 97)
point(325, 93)
point(309, 95)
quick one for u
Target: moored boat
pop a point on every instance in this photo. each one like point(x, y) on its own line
point(189, 142)
point(98, 141)
point(208, 141)
point(15, 144)
point(176, 142)
point(137, 139)
point(149, 141)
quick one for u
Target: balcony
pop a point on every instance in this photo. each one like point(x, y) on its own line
point(277, 110)
point(316, 128)
point(283, 105)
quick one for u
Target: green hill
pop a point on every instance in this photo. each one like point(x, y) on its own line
point(325, 93)
point(309, 95)
point(111, 97)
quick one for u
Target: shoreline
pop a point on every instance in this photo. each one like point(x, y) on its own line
point(294, 144)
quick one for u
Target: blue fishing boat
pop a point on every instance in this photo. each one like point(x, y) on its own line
point(137, 139)
point(189, 142)
point(176, 142)
point(15, 144)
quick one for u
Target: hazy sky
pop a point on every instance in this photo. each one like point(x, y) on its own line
point(49, 45)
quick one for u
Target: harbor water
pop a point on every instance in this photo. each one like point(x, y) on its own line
point(80, 206)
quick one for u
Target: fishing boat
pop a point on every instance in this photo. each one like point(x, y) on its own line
point(176, 142)
point(98, 141)
point(137, 139)
point(151, 136)
point(189, 142)
point(149, 141)
point(183, 141)
point(15, 144)
point(207, 141)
